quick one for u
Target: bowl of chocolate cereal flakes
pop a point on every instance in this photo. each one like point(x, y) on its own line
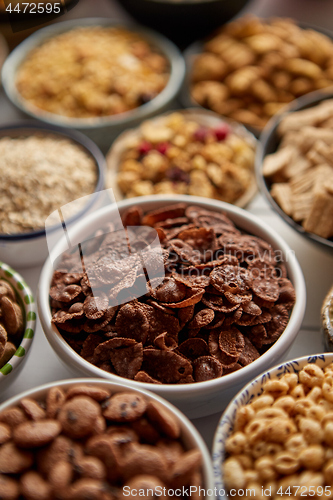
point(192, 300)
point(191, 152)
point(327, 321)
point(17, 324)
point(275, 438)
point(251, 68)
point(88, 438)
point(43, 169)
point(294, 166)
point(93, 75)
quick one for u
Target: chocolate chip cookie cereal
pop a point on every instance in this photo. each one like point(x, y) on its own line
point(178, 154)
point(253, 67)
point(91, 72)
point(283, 439)
point(11, 322)
point(87, 443)
point(224, 301)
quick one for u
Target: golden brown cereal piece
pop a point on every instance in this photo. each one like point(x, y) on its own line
point(96, 393)
point(281, 192)
point(233, 474)
point(36, 434)
point(34, 487)
point(54, 401)
point(6, 290)
point(5, 433)
point(32, 409)
point(146, 484)
point(163, 420)
point(320, 217)
point(3, 340)
point(60, 475)
point(61, 449)
point(78, 416)
point(144, 459)
point(13, 416)
point(12, 315)
point(13, 460)
point(9, 488)
point(91, 467)
point(125, 407)
point(189, 462)
point(88, 488)
point(8, 353)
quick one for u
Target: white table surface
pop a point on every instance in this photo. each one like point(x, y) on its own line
point(317, 263)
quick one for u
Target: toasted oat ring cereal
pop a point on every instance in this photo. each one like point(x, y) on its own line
point(186, 152)
point(223, 301)
point(88, 450)
point(252, 67)
point(282, 435)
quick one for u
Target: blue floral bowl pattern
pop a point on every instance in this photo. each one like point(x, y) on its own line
point(250, 391)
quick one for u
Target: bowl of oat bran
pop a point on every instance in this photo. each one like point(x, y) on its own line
point(145, 343)
point(42, 169)
point(94, 75)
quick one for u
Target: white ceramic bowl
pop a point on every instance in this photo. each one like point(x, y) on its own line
point(13, 367)
point(190, 437)
point(252, 389)
point(104, 129)
point(30, 248)
point(205, 118)
point(200, 398)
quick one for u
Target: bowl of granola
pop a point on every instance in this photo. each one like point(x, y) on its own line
point(251, 68)
point(93, 75)
point(219, 298)
point(191, 152)
point(295, 174)
point(17, 326)
point(275, 437)
point(42, 169)
point(88, 438)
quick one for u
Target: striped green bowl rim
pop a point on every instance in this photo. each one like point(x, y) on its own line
point(28, 303)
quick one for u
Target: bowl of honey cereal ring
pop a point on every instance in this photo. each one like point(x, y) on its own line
point(104, 76)
point(189, 151)
point(226, 307)
point(276, 436)
point(17, 324)
point(88, 438)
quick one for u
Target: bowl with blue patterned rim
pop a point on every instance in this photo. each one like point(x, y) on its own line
point(13, 366)
point(245, 396)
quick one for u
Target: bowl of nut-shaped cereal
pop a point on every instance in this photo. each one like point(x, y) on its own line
point(189, 151)
point(88, 438)
point(43, 169)
point(276, 436)
point(296, 174)
point(251, 68)
point(228, 300)
point(17, 324)
point(94, 75)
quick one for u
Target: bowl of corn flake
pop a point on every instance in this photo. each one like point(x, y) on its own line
point(191, 152)
point(43, 169)
point(93, 75)
point(275, 439)
point(219, 299)
point(17, 324)
point(294, 166)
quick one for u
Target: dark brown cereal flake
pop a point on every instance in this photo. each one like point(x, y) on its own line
point(63, 293)
point(132, 216)
point(89, 346)
point(185, 314)
point(142, 376)
point(206, 368)
point(287, 295)
point(248, 354)
point(132, 322)
point(266, 288)
point(230, 279)
point(193, 348)
point(202, 318)
point(277, 324)
point(257, 335)
point(162, 214)
point(103, 350)
point(169, 291)
point(166, 342)
point(219, 303)
point(95, 307)
point(127, 361)
point(125, 407)
point(166, 366)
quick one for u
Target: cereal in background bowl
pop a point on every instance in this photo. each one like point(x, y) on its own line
point(253, 67)
point(275, 438)
point(97, 440)
point(187, 152)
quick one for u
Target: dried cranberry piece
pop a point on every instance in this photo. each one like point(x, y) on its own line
point(144, 147)
point(221, 132)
